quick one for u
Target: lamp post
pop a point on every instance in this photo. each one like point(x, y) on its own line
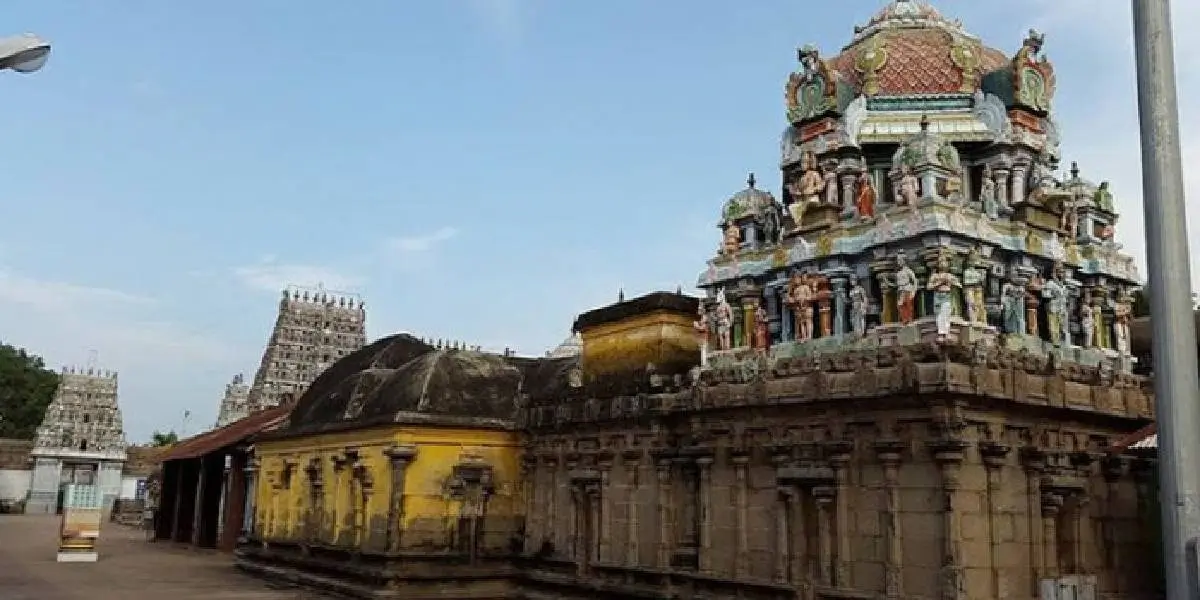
point(24, 53)
point(1176, 389)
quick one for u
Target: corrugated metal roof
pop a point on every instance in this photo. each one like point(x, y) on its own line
point(229, 435)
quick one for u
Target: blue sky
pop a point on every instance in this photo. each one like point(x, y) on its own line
point(482, 170)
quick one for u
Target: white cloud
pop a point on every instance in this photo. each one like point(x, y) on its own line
point(271, 275)
point(421, 243)
point(54, 297)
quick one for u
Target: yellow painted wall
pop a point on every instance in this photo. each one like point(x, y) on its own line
point(280, 512)
point(659, 337)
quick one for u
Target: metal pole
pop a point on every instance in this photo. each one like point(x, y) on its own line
point(1176, 388)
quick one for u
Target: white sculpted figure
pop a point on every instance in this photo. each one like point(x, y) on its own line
point(1087, 324)
point(859, 301)
point(724, 314)
point(943, 283)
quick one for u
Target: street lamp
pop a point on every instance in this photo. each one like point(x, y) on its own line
point(1176, 389)
point(24, 53)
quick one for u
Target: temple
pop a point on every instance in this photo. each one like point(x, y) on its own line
point(314, 329)
point(81, 440)
point(909, 376)
point(234, 405)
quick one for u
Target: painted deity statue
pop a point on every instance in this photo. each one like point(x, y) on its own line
point(864, 197)
point(806, 191)
point(1122, 314)
point(906, 290)
point(1054, 290)
point(943, 283)
point(974, 278)
point(703, 331)
point(987, 194)
point(724, 316)
point(799, 299)
point(910, 187)
point(732, 241)
point(1098, 327)
point(1012, 298)
point(859, 301)
point(1087, 324)
point(762, 328)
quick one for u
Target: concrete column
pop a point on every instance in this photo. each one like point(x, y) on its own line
point(248, 519)
point(198, 506)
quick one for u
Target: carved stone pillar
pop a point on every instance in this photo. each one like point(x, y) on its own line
point(1001, 175)
point(783, 534)
point(604, 506)
point(553, 530)
point(704, 464)
point(839, 458)
point(825, 497)
point(994, 456)
point(399, 457)
point(840, 304)
point(1052, 504)
point(666, 527)
point(1034, 461)
point(741, 567)
point(1113, 468)
point(749, 307)
point(890, 453)
point(884, 272)
point(948, 453)
point(632, 461)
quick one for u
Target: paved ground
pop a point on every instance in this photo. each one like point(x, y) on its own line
point(129, 568)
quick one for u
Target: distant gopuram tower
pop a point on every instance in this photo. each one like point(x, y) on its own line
point(315, 328)
point(233, 404)
point(81, 439)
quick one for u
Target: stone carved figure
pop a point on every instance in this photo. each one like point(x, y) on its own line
point(762, 328)
point(1043, 180)
point(1069, 220)
point(822, 296)
point(806, 191)
point(1122, 314)
point(859, 303)
point(772, 223)
point(1012, 311)
point(906, 289)
point(910, 188)
point(732, 240)
point(1033, 75)
point(987, 194)
point(1098, 326)
point(1055, 292)
point(974, 279)
point(703, 331)
point(799, 299)
point(1103, 197)
point(943, 283)
point(724, 316)
point(1087, 324)
point(864, 197)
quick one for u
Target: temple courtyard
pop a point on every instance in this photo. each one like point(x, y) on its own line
point(129, 567)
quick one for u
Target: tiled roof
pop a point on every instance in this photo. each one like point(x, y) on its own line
point(1144, 438)
point(229, 435)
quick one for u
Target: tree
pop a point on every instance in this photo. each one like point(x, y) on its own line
point(26, 389)
point(160, 439)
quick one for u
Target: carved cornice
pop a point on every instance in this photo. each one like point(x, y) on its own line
point(1033, 458)
point(994, 454)
point(890, 452)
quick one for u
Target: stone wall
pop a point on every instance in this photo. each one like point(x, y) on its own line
point(15, 470)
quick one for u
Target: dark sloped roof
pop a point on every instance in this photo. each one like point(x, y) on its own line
point(637, 306)
point(400, 379)
point(1141, 335)
point(229, 435)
